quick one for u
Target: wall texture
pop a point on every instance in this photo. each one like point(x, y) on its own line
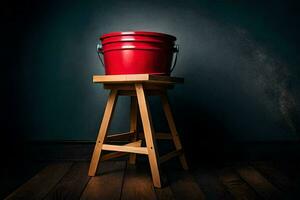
point(240, 61)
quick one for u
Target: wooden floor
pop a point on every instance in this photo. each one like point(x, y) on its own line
point(119, 180)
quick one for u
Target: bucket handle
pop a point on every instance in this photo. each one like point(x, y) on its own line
point(99, 51)
point(175, 50)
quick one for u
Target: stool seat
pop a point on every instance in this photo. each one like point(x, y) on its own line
point(135, 78)
point(138, 86)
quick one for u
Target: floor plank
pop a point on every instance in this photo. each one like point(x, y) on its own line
point(183, 185)
point(260, 184)
point(238, 188)
point(164, 193)
point(277, 178)
point(12, 177)
point(72, 184)
point(107, 185)
point(211, 185)
point(38, 186)
point(117, 180)
point(138, 183)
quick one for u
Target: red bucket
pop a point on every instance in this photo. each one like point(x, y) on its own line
point(138, 53)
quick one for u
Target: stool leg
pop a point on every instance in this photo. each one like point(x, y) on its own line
point(175, 136)
point(149, 133)
point(110, 105)
point(133, 125)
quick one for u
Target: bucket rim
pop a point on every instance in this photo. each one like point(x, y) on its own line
point(135, 33)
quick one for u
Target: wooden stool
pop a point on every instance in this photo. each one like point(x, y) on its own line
point(138, 86)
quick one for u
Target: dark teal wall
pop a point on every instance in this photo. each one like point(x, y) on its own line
point(240, 61)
